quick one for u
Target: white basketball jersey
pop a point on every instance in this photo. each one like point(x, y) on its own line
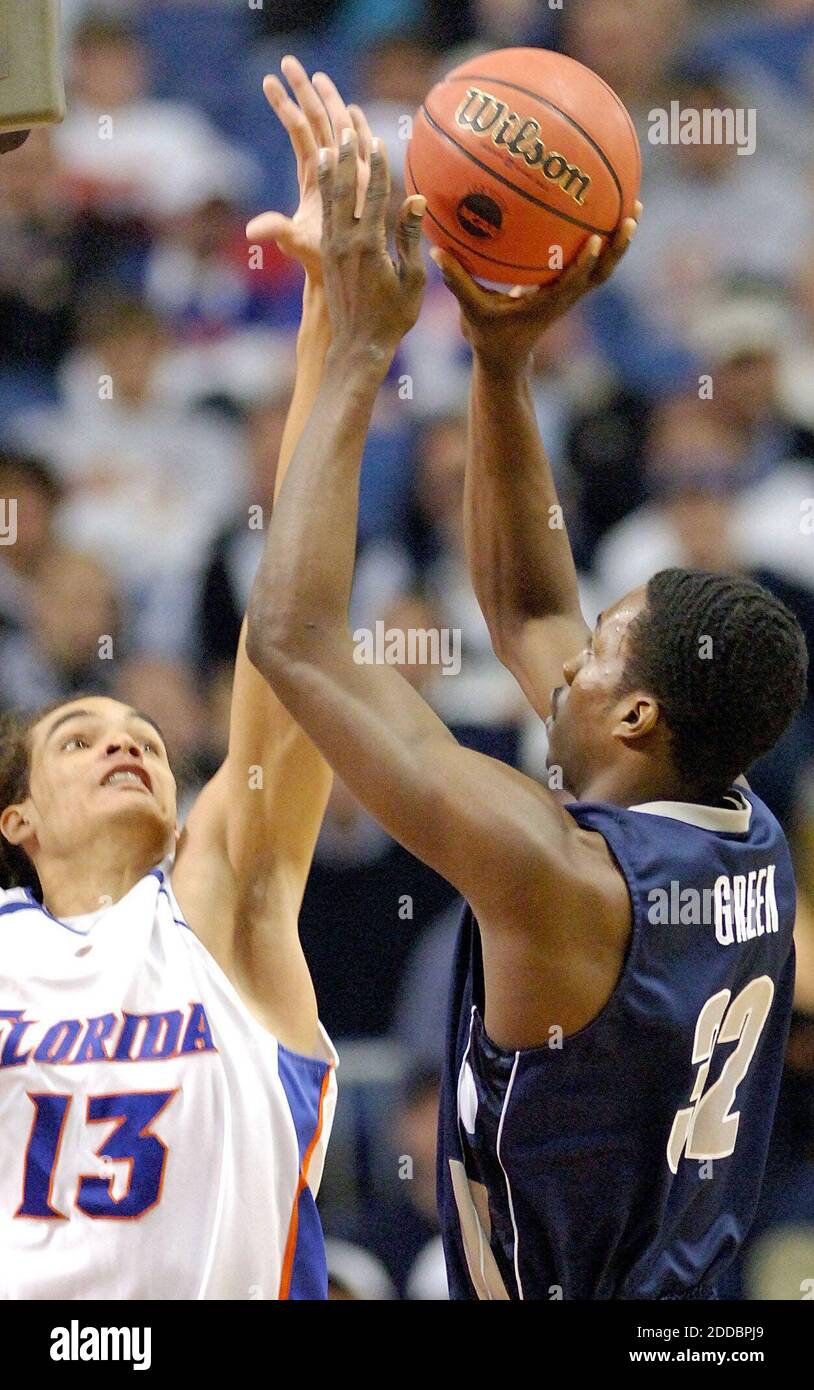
point(156, 1142)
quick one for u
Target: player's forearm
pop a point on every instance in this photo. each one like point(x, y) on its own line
point(519, 556)
point(313, 340)
point(302, 591)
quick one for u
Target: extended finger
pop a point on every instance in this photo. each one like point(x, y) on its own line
point(310, 101)
point(365, 141)
point(579, 272)
point(408, 237)
point(269, 226)
point(331, 98)
point(344, 184)
point(611, 258)
point(292, 118)
point(378, 193)
point(363, 131)
point(326, 167)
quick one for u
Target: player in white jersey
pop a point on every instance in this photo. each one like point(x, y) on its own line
point(166, 1091)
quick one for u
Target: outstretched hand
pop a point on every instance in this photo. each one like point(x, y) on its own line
point(372, 300)
point(506, 327)
point(316, 119)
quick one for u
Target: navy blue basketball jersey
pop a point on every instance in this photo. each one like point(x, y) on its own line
point(625, 1161)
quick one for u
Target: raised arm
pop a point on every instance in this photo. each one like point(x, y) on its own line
point(499, 837)
point(519, 555)
point(246, 851)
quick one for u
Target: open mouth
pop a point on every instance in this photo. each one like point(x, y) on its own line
point(128, 776)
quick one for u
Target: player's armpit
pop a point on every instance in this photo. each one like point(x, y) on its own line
point(248, 925)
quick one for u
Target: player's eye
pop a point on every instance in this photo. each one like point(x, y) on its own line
point(148, 747)
point(75, 741)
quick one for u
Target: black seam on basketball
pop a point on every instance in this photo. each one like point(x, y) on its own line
point(515, 86)
point(510, 265)
point(521, 192)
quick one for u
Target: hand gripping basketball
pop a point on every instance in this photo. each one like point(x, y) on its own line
point(504, 328)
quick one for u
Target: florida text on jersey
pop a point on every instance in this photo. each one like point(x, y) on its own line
point(157, 1142)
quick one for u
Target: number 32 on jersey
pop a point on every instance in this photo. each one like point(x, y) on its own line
point(708, 1127)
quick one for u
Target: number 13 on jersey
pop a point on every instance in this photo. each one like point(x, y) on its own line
point(131, 1141)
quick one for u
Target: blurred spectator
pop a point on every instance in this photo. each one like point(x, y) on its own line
point(39, 259)
point(366, 899)
point(295, 16)
point(605, 454)
point(234, 555)
point(728, 491)
point(400, 1227)
point(739, 339)
point(428, 1276)
point(420, 1022)
point(148, 480)
point(481, 701)
point(511, 23)
point(708, 509)
point(796, 366)
point(353, 1273)
point(128, 151)
point(768, 52)
point(398, 71)
point(632, 44)
point(762, 203)
point(72, 641)
point(200, 277)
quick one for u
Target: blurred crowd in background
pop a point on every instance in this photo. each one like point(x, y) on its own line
point(146, 362)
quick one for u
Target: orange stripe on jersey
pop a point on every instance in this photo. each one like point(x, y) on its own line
point(291, 1241)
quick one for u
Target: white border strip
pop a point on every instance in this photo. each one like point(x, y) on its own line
point(506, 1176)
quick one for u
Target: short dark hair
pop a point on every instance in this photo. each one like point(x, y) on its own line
point(16, 869)
point(34, 470)
point(102, 27)
point(728, 664)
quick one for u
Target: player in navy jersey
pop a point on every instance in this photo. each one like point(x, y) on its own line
point(624, 975)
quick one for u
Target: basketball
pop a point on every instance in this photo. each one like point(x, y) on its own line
point(522, 154)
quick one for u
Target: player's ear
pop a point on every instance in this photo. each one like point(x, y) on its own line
point(636, 716)
point(15, 824)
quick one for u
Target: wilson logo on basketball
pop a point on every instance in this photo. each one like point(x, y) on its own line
point(483, 114)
